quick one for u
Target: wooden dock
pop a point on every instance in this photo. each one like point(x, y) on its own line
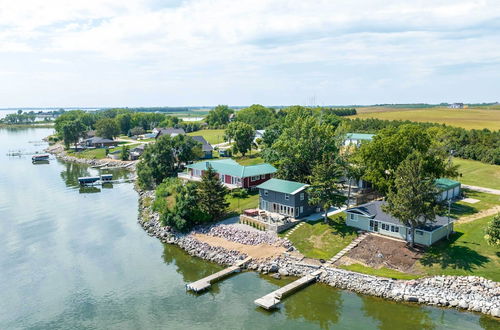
point(206, 282)
point(272, 299)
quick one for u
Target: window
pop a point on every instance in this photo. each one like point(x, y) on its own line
point(419, 232)
point(266, 192)
point(263, 176)
point(301, 196)
point(395, 229)
point(287, 197)
point(255, 178)
point(301, 209)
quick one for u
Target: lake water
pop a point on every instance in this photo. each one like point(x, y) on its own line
point(77, 259)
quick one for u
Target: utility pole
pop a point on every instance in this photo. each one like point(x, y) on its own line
point(449, 211)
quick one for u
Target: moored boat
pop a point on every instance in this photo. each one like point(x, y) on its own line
point(36, 158)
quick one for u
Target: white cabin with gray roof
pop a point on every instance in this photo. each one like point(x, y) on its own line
point(371, 218)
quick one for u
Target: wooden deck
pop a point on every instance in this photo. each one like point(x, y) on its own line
point(206, 282)
point(272, 299)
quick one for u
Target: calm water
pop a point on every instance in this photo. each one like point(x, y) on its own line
point(73, 258)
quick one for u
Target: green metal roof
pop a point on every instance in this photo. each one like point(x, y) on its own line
point(359, 136)
point(231, 167)
point(445, 184)
point(283, 186)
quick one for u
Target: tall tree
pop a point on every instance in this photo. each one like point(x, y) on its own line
point(219, 117)
point(413, 197)
point(492, 231)
point(212, 195)
point(301, 146)
point(258, 116)
point(242, 134)
point(391, 146)
point(325, 188)
point(72, 131)
point(107, 128)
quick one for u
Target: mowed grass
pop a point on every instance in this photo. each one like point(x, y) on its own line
point(249, 160)
point(467, 253)
point(238, 205)
point(384, 272)
point(478, 174)
point(470, 118)
point(213, 136)
point(322, 241)
point(486, 201)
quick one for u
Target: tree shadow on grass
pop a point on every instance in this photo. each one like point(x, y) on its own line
point(459, 210)
point(446, 255)
point(340, 228)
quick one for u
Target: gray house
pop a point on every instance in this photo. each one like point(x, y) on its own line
point(371, 218)
point(168, 131)
point(205, 146)
point(285, 197)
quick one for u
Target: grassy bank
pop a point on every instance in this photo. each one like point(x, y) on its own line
point(470, 118)
point(478, 174)
point(384, 272)
point(467, 253)
point(238, 205)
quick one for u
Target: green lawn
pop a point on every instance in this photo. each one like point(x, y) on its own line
point(249, 160)
point(478, 174)
point(213, 136)
point(237, 205)
point(98, 153)
point(467, 253)
point(470, 118)
point(384, 272)
point(322, 241)
point(487, 201)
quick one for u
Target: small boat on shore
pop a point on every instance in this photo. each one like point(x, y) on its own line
point(37, 158)
point(89, 180)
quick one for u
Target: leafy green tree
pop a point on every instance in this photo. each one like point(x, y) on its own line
point(125, 154)
point(212, 195)
point(72, 131)
point(302, 146)
point(391, 146)
point(258, 116)
point(136, 131)
point(325, 188)
point(107, 128)
point(125, 122)
point(493, 231)
point(412, 199)
point(242, 134)
point(219, 117)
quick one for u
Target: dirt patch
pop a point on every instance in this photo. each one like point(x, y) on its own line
point(260, 251)
point(377, 252)
point(482, 214)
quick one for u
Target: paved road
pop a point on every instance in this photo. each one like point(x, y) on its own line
point(482, 189)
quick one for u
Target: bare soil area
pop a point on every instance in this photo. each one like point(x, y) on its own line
point(377, 252)
point(261, 251)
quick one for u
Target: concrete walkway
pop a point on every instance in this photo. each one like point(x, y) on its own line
point(348, 248)
point(482, 189)
point(320, 215)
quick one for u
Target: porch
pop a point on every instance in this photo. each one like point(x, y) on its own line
point(269, 220)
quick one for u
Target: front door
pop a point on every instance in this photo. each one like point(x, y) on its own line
point(375, 226)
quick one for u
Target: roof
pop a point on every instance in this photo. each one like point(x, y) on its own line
point(97, 139)
point(205, 146)
point(231, 167)
point(283, 186)
point(170, 131)
point(446, 184)
point(374, 210)
point(359, 136)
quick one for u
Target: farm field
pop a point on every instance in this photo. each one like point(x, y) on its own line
point(478, 174)
point(470, 118)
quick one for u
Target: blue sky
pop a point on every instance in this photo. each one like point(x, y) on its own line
point(208, 52)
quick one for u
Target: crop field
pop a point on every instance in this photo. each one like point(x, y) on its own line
point(470, 118)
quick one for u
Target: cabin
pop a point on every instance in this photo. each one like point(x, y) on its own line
point(231, 174)
point(206, 147)
point(448, 189)
point(98, 142)
point(168, 131)
point(371, 218)
point(288, 198)
point(137, 152)
point(457, 105)
point(357, 138)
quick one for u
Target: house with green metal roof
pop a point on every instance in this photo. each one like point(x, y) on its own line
point(231, 174)
point(448, 189)
point(285, 197)
point(357, 138)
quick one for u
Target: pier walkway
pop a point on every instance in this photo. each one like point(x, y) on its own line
point(206, 282)
point(272, 299)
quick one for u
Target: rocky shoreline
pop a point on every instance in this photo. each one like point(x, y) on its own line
point(471, 293)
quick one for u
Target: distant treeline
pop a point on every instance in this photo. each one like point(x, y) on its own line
point(482, 145)
point(341, 111)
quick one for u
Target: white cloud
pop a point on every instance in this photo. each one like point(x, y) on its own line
point(272, 41)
